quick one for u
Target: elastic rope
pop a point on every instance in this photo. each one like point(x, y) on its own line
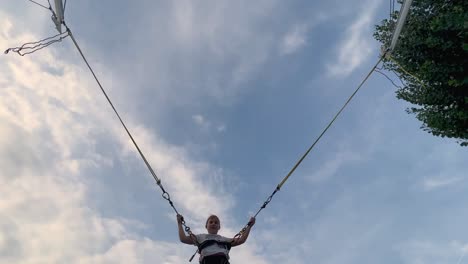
point(311, 147)
point(40, 4)
point(165, 194)
point(329, 125)
point(115, 110)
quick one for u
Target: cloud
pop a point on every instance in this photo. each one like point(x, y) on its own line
point(356, 46)
point(426, 251)
point(464, 251)
point(139, 251)
point(46, 221)
point(43, 148)
point(205, 125)
point(199, 120)
point(442, 167)
point(430, 184)
point(295, 39)
point(328, 169)
point(221, 128)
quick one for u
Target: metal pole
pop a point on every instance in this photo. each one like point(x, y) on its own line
point(400, 22)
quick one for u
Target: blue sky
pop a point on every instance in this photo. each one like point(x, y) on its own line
point(223, 97)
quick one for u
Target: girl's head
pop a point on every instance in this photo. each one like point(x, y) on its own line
point(212, 224)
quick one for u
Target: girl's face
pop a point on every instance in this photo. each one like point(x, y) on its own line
point(213, 225)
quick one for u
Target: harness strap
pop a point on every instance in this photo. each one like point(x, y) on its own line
point(207, 243)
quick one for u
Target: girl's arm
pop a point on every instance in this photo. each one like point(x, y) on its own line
point(241, 240)
point(182, 236)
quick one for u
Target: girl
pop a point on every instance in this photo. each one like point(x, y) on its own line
point(213, 248)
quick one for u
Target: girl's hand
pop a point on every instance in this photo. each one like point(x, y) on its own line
point(251, 221)
point(180, 218)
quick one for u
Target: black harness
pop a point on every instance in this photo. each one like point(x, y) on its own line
point(207, 243)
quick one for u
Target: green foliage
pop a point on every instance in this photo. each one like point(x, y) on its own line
point(433, 48)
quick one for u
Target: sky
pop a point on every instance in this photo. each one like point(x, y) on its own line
point(223, 97)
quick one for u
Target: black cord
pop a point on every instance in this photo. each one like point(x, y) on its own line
point(386, 76)
point(48, 8)
point(32, 47)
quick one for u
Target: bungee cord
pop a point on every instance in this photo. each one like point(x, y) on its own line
point(278, 187)
point(386, 54)
point(38, 45)
point(48, 8)
point(165, 194)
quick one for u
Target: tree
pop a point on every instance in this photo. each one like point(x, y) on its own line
point(431, 59)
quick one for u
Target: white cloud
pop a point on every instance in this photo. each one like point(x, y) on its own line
point(295, 39)
point(206, 125)
point(140, 251)
point(465, 248)
point(439, 182)
point(356, 45)
point(202, 122)
point(47, 222)
point(44, 145)
point(426, 251)
point(183, 14)
point(441, 167)
point(221, 128)
point(342, 158)
point(464, 251)
point(199, 120)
